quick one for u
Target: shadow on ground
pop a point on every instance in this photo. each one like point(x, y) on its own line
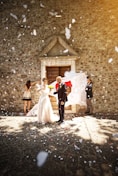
point(70, 151)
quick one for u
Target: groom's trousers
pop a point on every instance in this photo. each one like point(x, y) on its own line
point(61, 111)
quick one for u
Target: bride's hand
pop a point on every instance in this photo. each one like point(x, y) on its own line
point(51, 94)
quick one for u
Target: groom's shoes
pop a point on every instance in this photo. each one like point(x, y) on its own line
point(58, 121)
point(87, 112)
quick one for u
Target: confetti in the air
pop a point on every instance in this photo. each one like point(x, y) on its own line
point(41, 158)
point(24, 18)
point(65, 51)
point(67, 33)
point(73, 20)
point(110, 60)
point(116, 48)
point(53, 13)
point(13, 71)
point(34, 32)
point(25, 6)
point(14, 16)
point(41, 5)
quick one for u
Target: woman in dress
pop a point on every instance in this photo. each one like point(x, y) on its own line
point(27, 96)
point(43, 109)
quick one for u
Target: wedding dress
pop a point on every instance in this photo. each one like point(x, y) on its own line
point(43, 109)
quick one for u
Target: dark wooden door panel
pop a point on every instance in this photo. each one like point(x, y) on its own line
point(62, 70)
point(53, 72)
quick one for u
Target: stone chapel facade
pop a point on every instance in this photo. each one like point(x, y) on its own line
point(35, 34)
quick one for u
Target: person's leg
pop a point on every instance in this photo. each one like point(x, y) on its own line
point(90, 106)
point(62, 113)
point(25, 106)
point(28, 105)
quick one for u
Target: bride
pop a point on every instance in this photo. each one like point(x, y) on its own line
point(43, 109)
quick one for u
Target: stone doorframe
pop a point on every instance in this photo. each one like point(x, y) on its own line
point(51, 56)
point(59, 61)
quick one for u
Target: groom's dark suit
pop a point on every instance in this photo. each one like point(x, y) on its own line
point(62, 98)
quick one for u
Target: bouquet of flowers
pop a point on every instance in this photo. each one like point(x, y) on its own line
point(50, 87)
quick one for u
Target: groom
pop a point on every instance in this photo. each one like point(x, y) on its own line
point(62, 97)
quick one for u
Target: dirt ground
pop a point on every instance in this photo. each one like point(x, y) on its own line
point(82, 146)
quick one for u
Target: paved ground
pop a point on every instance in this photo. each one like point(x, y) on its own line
point(82, 146)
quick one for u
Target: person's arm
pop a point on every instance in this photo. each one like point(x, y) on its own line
point(34, 83)
point(90, 87)
point(25, 88)
point(55, 92)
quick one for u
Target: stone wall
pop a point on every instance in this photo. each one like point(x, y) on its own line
point(26, 27)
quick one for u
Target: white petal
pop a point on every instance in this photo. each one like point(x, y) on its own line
point(41, 158)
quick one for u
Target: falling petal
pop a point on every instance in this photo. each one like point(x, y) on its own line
point(67, 33)
point(34, 32)
point(24, 19)
point(110, 60)
point(41, 158)
point(70, 26)
point(25, 6)
point(53, 13)
point(61, 159)
point(14, 16)
point(65, 51)
point(41, 5)
point(76, 147)
point(13, 71)
point(116, 48)
point(80, 140)
point(73, 20)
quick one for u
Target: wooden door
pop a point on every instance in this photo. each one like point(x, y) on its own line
point(52, 73)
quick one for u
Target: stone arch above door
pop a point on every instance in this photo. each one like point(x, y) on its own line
point(57, 47)
point(58, 54)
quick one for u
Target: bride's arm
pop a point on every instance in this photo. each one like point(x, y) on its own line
point(39, 87)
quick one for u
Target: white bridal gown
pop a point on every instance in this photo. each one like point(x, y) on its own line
point(43, 109)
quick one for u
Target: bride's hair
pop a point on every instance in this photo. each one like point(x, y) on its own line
point(44, 79)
